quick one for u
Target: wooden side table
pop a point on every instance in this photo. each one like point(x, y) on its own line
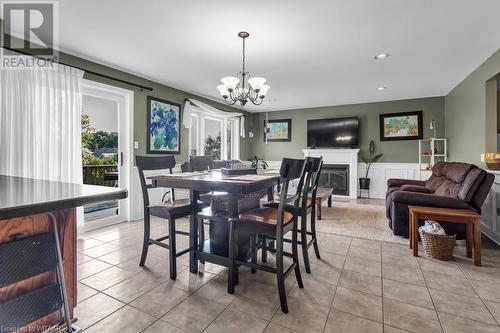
point(466, 216)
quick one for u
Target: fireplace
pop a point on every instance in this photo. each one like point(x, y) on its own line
point(335, 176)
point(340, 169)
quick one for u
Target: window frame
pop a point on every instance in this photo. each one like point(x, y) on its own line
point(199, 126)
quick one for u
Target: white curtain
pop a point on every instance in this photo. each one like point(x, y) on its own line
point(40, 129)
point(188, 109)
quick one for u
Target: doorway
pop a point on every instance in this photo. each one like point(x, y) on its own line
point(106, 149)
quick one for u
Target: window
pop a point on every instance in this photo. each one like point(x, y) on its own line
point(213, 135)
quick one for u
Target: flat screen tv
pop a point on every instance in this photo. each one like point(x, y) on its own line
point(333, 133)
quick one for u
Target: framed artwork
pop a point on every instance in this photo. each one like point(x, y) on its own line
point(278, 130)
point(164, 120)
point(401, 126)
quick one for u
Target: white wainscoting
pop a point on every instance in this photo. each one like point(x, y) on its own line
point(380, 173)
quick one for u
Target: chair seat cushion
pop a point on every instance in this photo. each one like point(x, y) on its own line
point(266, 215)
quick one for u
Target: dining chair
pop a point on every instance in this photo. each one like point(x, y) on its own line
point(172, 210)
point(273, 222)
point(306, 206)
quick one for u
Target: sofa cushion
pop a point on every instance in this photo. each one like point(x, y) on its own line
point(415, 188)
point(434, 182)
point(457, 171)
point(448, 188)
point(470, 184)
point(439, 169)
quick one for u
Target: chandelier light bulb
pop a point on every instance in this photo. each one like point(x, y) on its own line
point(240, 89)
point(223, 91)
point(256, 83)
point(230, 82)
point(263, 90)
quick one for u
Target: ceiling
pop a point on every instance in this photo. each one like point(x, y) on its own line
point(313, 53)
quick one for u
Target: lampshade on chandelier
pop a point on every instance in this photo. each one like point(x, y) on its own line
point(235, 90)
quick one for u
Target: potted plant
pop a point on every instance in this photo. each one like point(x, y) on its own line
point(364, 183)
point(259, 163)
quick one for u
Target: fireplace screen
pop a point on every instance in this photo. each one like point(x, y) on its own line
point(335, 176)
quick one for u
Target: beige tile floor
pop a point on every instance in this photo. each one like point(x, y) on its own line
point(357, 286)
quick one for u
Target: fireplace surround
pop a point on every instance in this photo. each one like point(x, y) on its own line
point(341, 166)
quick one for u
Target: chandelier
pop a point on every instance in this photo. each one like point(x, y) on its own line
point(235, 90)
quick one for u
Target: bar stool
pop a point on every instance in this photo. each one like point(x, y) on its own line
point(171, 211)
point(306, 206)
point(272, 222)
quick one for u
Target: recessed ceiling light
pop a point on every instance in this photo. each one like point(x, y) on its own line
point(381, 88)
point(382, 56)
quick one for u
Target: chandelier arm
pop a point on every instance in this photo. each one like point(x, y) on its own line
point(230, 100)
point(256, 101)
point(234, 97)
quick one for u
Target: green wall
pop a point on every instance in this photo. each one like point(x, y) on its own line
point(140, 111)
point(465, 113)
point(394, 151)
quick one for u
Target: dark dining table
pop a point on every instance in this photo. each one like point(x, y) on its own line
point(213, 180)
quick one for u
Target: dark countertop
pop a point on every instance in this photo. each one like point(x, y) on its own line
point(25, 196)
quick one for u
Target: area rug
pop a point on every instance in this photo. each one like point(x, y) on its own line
point(362, 218)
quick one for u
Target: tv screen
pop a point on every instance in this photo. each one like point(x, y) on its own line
point(335, 132)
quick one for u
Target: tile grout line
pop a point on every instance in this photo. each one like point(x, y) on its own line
point(480, 297)
point(430, 295)
point(337, 286)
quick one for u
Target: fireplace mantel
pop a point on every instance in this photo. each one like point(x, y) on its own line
point(340, 156)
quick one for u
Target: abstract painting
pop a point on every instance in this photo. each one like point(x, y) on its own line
point(163, 127)
point(401, 126)
point(278, 130)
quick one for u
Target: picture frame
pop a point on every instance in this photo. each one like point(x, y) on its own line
point(401, 126)
point(280, 130)
point(164, 126)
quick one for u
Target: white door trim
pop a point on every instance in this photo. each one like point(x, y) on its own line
point(125, 101)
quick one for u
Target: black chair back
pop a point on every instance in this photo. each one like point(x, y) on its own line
point(201, 163)
point(151, 163)
point(313, 170)
point(290, 169)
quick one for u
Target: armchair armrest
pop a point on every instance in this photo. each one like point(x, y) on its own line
point(398, 182)
point(415, 188)
point(426, 199)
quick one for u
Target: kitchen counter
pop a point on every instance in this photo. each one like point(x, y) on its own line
point(24, 204)
point(26, 196)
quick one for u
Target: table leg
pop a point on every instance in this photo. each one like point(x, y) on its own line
point(330, 201)
point(410, 230)
point(415, 234)
point(477, 242)
point(270, 194)
point(318, 215)
point(193, 233)
point(468, 239)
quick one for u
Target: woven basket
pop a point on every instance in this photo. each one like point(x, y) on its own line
point(438, 246)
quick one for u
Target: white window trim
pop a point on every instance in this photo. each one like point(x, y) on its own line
point(200, 128)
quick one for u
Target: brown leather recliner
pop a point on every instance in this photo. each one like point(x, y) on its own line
point(451, 185)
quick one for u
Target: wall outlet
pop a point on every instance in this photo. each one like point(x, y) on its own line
point(136, 144)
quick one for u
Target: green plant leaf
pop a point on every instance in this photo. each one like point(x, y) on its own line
point(376, 157)
point(372, 147)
